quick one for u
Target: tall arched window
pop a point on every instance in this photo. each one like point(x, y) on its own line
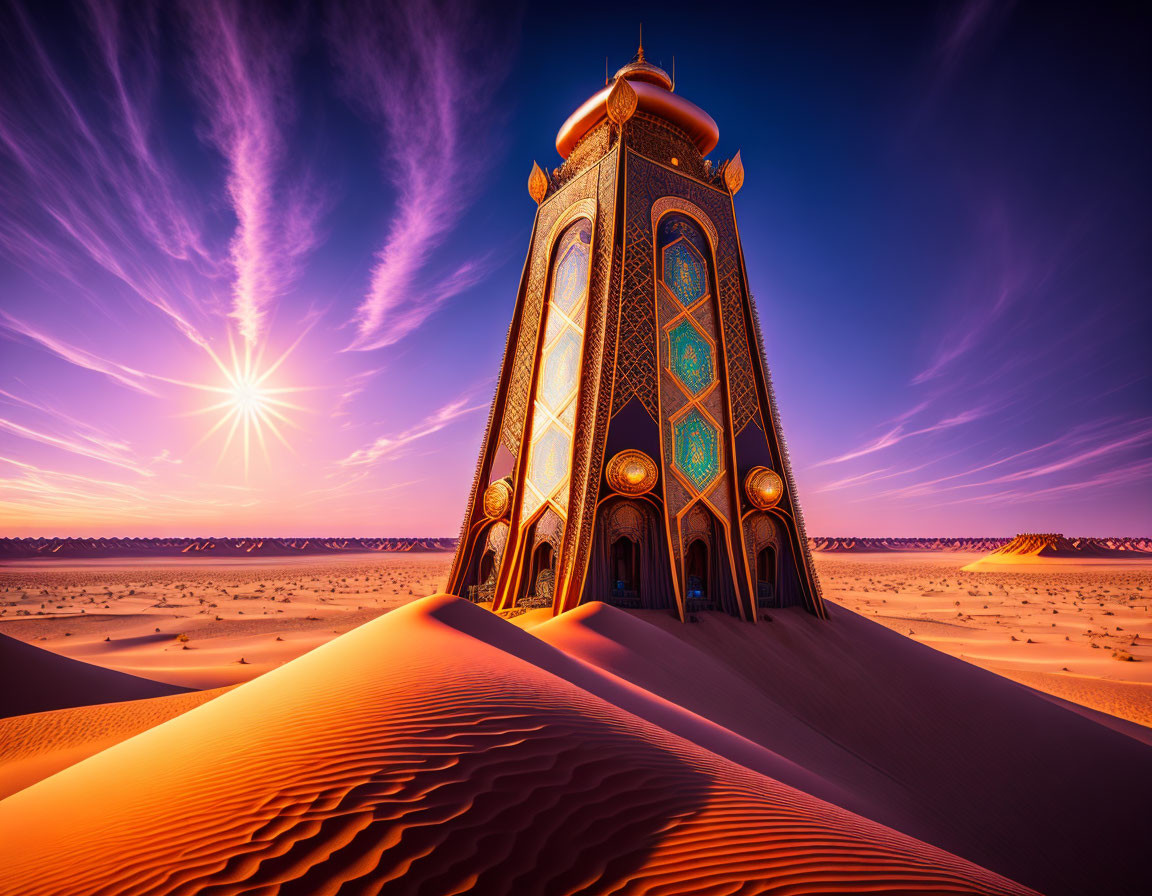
point(558, 371)
point(690, 353)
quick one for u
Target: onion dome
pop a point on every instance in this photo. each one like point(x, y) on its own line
point(654, 95)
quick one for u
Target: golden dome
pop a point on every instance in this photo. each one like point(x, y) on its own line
point(654, 93)
point(763, 487)
point(498, 499)
point(631, 472)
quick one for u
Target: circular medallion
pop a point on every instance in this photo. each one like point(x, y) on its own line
point(498, 499)
point(631, 472)
point(764, 488)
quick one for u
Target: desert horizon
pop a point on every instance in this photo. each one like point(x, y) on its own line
point(433, 463)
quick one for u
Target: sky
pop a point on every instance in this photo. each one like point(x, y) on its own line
point(257, 262)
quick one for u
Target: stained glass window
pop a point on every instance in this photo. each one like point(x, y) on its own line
point(684, 272)
point(558, 373)
point(690, 357)
point(696, 447)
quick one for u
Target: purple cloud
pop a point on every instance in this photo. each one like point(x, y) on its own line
point(425, 74)
point(388, 446)
point(241, 72)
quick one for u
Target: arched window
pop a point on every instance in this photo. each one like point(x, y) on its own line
point(558, 369)
point(689, 351)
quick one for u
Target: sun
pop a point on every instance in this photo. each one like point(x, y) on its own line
point(251, 407)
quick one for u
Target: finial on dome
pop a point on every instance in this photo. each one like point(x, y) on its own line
point(640, 69)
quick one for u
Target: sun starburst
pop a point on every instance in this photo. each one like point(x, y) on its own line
point(251, 407)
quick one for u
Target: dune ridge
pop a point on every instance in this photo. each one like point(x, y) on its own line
point(431, 751)
point(914, 739)
point(50, 681)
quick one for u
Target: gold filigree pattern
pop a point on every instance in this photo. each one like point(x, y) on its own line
point(595, 388)
point(524, 362)
point(763, 487)
point(662, 142)
point(626, 520)
point(631, 472)
point(498, 499)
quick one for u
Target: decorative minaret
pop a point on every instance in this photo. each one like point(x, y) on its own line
point(633, 452)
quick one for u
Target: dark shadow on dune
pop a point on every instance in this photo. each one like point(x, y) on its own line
point(36, 680)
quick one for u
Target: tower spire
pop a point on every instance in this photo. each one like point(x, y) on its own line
point(640, 50)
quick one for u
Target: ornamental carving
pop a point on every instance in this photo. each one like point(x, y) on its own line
point(549, 528)
point(498, 499)
point(498, 539)
point(631, 472)
point(626, 520)
point(697, 525)
point(763, 487)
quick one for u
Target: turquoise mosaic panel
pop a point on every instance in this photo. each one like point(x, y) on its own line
point(684, 272)
point(696, 449)
point(549, 460)
point(690, 358)
point(571, 277)
point(560, 367)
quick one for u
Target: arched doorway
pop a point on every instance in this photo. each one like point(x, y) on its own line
point(541, 576)
point(696, 575)
point(487, 566)
point(766, 576)
point(625, 567)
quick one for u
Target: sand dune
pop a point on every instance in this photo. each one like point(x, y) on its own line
point(37, 745)
point(441, 750)
point(917, 740)
point(205, 623)
point(1032, 549)
point(36, 680)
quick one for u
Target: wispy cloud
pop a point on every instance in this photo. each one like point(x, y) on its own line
point(425, 73)
point(82, 190)
point(115, 454)
point(242, 67)
point(901, 431)
point(388, 446)
point(120, 373)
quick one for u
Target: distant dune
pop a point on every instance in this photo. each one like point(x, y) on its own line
point(36, 680)
point(440, 749)
point(142, 548)
point(1029, 548)
point(851, 545)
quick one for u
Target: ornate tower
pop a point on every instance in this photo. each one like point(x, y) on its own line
point(633, 452)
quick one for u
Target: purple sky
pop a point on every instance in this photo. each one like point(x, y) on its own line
point(257, 262)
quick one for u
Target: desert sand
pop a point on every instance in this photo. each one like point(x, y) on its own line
point(639, 754)
point(440, 749)
point(1078, 630)
point(200, 623)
